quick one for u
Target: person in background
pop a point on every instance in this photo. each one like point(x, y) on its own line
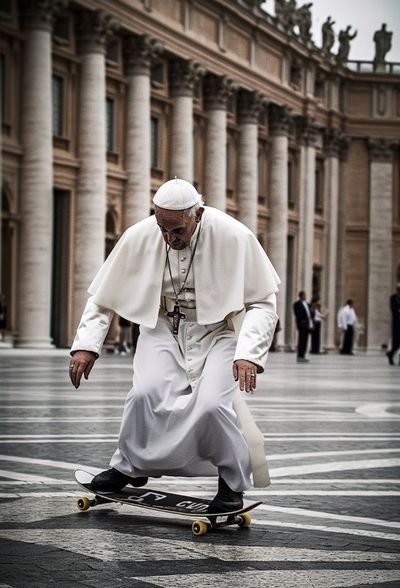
point(3, 316)
point(347, 320)
point(395, 314)
point(124, 332)
point(317, 317)
point(304, 324)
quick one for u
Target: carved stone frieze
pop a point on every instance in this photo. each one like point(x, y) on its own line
point(183, 76)
point(382, 149)
point(280, 119)
point(217, 91)
point(95, 29)
point(40, 14)
point(141, 52)
point(250, 105)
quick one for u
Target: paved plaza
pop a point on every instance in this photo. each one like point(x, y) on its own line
point(331, 517)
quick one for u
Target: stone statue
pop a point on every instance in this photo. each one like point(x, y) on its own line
point(328, 35)
point(285, 13)
point(344, 45)
point(383, 44)
point(304, 22)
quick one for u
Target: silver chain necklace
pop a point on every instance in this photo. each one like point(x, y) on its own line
point(176, 314)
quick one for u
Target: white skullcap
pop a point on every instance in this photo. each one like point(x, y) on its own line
point(176, 194)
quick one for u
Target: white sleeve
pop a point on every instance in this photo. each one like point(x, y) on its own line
point(93, 328)
point(257, 331)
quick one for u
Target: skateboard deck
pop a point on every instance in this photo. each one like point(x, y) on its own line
point(167, 502)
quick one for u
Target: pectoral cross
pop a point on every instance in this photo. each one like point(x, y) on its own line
point(176, 315)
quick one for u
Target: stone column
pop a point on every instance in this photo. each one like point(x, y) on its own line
point(308, 133)
point(91, 198)
point(217, 92)
point(249, 105)
point(36, 202)
point(278, 205)
point(141, 51)
point(183, 76)
point(380, 241)
point(341, 238)
point(331, 198)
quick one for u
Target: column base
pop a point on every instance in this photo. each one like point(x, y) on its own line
point(32, 343)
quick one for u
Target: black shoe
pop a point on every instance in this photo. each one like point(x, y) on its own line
point(226, 500)
point(389, 355)
point(112, 481)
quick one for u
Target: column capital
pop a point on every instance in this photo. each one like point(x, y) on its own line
point(95, 29)
point(250, 105)
point(141, 52)
point(184, 75)
point(381, 149)
point(308, 130)
point(332, 142)
point(280, 119)
point(40, 14)
point(217, 91)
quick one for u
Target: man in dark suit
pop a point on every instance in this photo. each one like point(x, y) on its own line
point(395, 312)
point(304, 324)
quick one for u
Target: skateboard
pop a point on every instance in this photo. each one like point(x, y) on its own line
point(159, 500)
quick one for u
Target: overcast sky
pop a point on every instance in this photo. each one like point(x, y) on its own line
point(366, 16)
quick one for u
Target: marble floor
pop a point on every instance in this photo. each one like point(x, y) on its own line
point(330, 518)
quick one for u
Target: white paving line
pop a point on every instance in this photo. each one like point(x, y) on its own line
point(205, 482)
point(318, 514)
point(274, 472)
point(337, 466)
point(27, 477)
point(317, 454)
point(274, 419)
point(63, 465)
point(341, 530)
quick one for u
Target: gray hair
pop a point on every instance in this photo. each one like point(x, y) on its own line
point(191, 212)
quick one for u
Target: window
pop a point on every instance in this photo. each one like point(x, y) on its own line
point(62, 30)
point(154, 145)
point(58, 105)
point(158, 74)
point(319, 187)
point(3, 87)
point(110, 124)
point(290, 179)
point(6, 8)
point(261, 165)
point(113, 53)
point(319, 87)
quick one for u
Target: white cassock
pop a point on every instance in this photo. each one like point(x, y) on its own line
point(179, 417)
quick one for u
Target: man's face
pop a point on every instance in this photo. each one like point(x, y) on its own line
point(176, 226)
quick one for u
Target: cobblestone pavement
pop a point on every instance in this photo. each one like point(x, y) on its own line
point(331, 517)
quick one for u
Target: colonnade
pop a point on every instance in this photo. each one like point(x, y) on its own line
point(35, 244)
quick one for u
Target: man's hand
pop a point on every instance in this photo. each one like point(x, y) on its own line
point(81, 364)
point(246, 372)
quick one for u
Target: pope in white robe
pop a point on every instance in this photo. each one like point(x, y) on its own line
point(203, 291)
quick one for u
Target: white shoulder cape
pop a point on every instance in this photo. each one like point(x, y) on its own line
point(230, 269)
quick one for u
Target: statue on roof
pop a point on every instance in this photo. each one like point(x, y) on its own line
point(344, 45)
point(304, 22)
point(328, 35)
point(383, 44)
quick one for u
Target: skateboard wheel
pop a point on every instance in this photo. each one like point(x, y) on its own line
point(83, 503)
point(199, 528)
point(245, 520)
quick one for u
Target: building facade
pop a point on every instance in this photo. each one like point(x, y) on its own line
point(102, 101)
